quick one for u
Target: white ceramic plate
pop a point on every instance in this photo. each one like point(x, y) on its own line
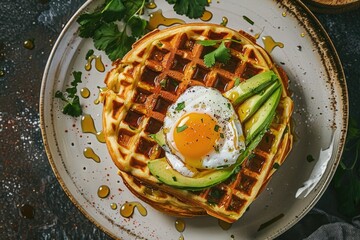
point(320, 119)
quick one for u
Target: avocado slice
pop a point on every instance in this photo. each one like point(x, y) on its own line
point(263, 117)
point(159, 137)
point(252, 104)
point(162, 170)
point(250, 87)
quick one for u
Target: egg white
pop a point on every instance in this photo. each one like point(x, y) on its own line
point(199, 99)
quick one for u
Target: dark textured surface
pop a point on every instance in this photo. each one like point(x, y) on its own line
point(25, 174)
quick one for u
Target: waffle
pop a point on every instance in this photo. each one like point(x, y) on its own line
point(142, 85)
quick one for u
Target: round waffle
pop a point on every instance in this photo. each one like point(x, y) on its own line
point(142, 85)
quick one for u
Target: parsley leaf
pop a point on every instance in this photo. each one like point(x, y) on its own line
point(221, 54)
point(72, 107)
point(100, 25)
point(190, 8)
point(180, 106)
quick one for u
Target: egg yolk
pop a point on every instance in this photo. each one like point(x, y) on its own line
point(195, 136)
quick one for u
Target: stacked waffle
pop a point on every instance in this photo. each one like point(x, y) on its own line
point(150, 78)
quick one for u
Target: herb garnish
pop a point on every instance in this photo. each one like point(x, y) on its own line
point(101, 27)
point(181, 128)
point(72, 107)
point(190, 8)
point(220, 54)
point(248, 20)
point(180, 106)
point(347, 177)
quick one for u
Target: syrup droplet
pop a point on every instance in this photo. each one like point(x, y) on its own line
point(99, 65)
point(29, 44)
point(302, 34)
point(283, 14)
point(103, 191)
point(270, 44)
point(88, 126)
point(27, 211)
point(224, 22)
point(89, 153)
point(113, 206)
point(157, 19)
point(180, 225)
point(224, 225)
point(257, 35)
point(85, 92)
point(151, 5)
point(207, 16)
point(100, 96)
point(127, 209)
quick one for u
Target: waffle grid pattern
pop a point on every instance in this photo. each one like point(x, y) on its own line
point(150, 78)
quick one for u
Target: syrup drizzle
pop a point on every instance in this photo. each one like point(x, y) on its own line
point(151, 5)
point(99, 65)
point(157, 19)
point(89, 153)
point(225, 21)
point(127, 209)
point(270, 44)
point(180, 227)
point(85, 92)
point(207, 16)
point(88, 126)
point(103, 191)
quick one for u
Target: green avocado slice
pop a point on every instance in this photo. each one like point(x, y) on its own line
point(263, 117)
point(162, 170)
point(252, 104)
point(250, 87)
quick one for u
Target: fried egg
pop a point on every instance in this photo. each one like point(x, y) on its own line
point(202, 131)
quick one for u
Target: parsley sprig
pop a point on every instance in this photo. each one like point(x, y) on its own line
point(72, 107)
point(220, 54)
point(101, 27)
point(190, 8)
point(347, 177)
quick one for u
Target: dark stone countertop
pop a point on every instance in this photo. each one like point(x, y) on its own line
point(28, 186)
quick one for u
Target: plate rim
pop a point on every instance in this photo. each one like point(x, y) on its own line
point(344, 100)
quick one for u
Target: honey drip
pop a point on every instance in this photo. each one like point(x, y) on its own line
point(85, 92)
point(127, 209)
point(113, 206)
point(100, 97)
point(88, 126)
point(157, 19)
point(180, 227)
point(224, 22)
point(99, 65)
point(224, 225)
point(89, 153)
point(207, 16)
point(29, 44)
point(151, 5)
point(103, 191)
point(270, 44)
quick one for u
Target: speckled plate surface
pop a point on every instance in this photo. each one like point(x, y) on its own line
point(320, 123)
